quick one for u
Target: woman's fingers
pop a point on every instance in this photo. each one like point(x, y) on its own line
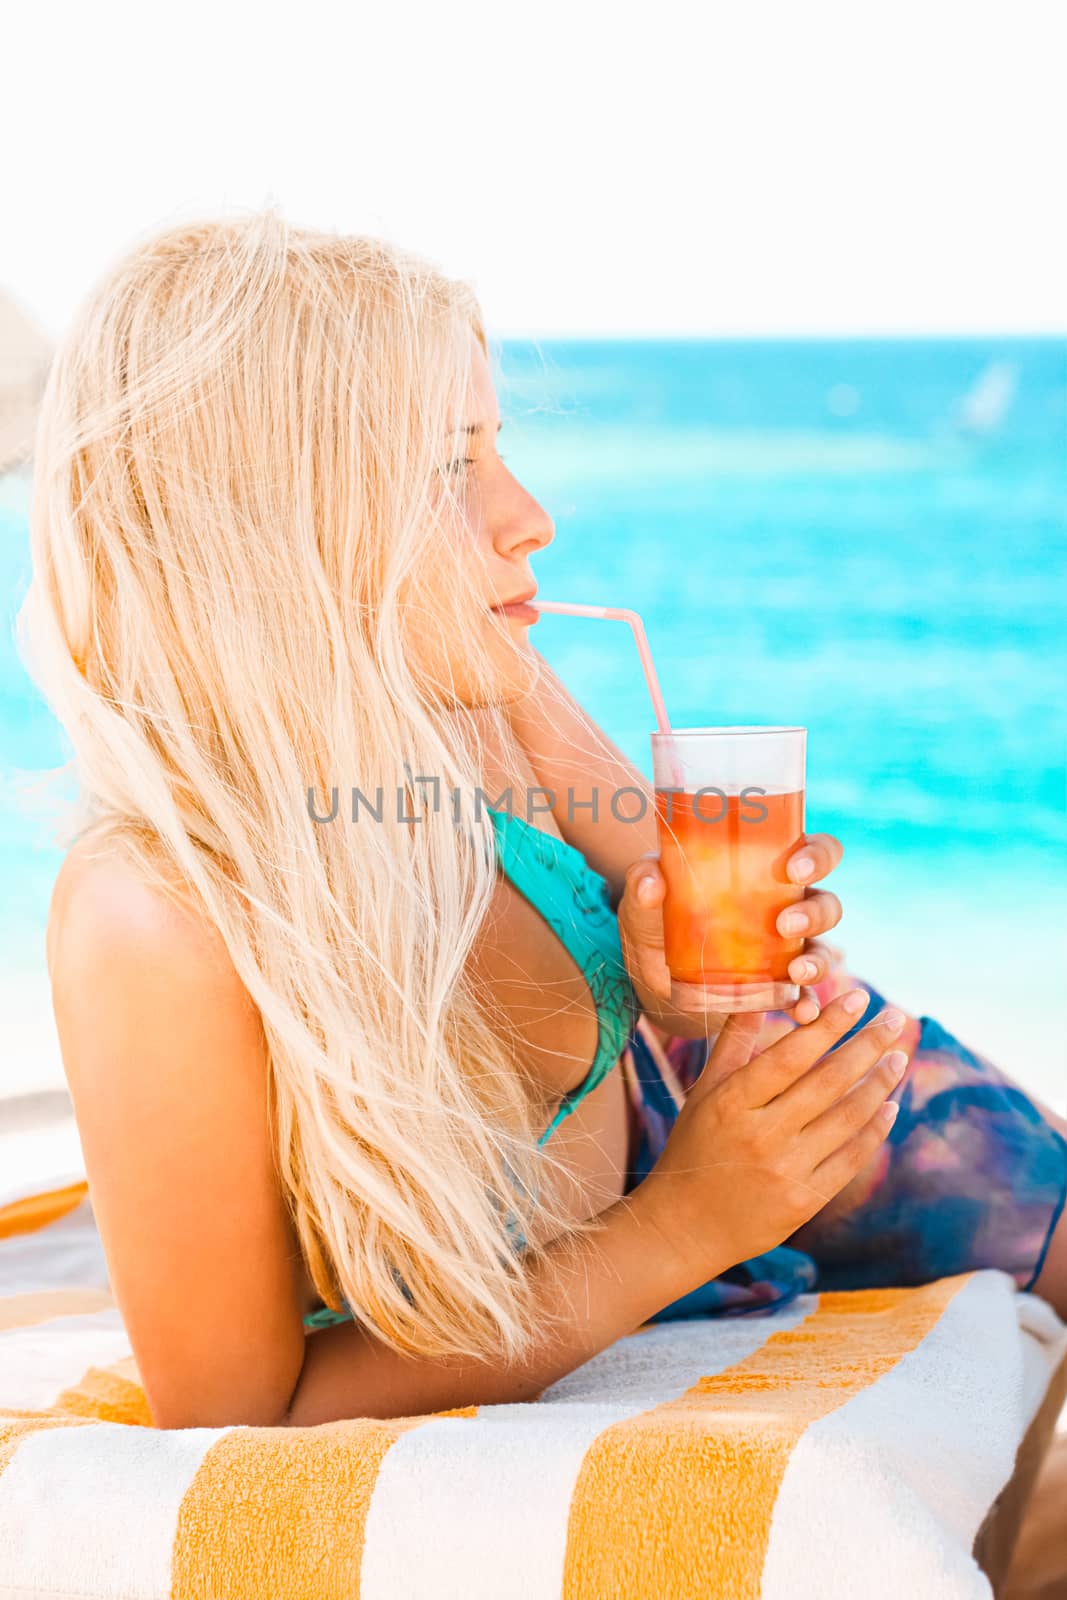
point(818, 854)
point(834, 1127)
point(826, 1084)
point(732, 1049)
point(819, 910)
point(831, 1175)
point(815, 962)
point(778, 1067)
point(806, 1007)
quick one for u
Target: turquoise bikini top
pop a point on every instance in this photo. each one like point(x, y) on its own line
point(574, 900)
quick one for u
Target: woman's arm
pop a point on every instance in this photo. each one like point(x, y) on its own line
point(597, 1287)
point(168, 1070)
point(761, 1123)
point(166, 1061)
point(574, 758)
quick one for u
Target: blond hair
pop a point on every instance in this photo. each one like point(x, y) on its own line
point(236, 487)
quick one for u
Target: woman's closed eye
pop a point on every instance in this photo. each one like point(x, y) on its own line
point(455, 468)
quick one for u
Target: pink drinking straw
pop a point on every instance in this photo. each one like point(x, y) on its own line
point(618, 613)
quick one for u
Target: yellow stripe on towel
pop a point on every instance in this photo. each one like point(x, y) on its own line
point(38, 1210)
point(109, 1394)
point(706, 1468)
point(282, 1512)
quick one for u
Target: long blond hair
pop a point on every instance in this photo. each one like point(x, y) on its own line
point(236, 486)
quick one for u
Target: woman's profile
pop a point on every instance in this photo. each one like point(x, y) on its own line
point(383, 1102)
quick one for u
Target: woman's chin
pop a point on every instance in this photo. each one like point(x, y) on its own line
point(521, 670)
point(513, 671)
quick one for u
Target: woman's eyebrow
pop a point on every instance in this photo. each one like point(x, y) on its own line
point(478, 427)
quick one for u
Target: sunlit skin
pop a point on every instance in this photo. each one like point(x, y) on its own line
point(510, 526)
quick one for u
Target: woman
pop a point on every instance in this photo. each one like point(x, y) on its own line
point(411, 1069)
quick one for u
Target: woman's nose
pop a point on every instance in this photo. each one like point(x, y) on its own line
point(526, 526)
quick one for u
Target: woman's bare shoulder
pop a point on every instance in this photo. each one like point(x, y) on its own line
point(106, 903)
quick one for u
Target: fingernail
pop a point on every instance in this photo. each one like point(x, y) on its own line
point(896, 1061)
point(792, 922)
point(803, 867)
point(890, 1109)
point(855, 1000)
point(804, 970)
point(891, 1019)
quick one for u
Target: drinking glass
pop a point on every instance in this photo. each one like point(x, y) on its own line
point(730, 813)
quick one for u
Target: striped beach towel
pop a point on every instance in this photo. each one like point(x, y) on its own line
point(848, 1441)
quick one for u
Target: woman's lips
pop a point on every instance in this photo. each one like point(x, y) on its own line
point(519, 611)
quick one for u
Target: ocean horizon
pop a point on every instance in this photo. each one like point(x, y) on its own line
point(865, 537)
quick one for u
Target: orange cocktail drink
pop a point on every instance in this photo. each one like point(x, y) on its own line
point(730, 811)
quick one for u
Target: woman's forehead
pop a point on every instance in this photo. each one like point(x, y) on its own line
point(481, 404)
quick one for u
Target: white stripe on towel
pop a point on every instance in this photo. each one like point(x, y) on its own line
point(502, 1483)
point(39, 1361)
point(92, 1510)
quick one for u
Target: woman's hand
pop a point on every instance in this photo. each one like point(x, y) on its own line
point(762, 1144)
point(819, 911)
point(641, 931)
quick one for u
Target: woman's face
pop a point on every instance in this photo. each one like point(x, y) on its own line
point(507, 526)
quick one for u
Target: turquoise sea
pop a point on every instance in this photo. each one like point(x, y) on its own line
point(868, 538)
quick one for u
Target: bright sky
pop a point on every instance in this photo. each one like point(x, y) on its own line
point(883, 166)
